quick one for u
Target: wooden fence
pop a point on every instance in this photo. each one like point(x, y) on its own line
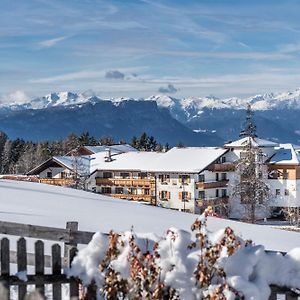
point(71, 237)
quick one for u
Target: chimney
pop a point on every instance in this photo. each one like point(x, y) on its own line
point(108, 155)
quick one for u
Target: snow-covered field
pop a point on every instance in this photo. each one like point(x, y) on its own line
point(47, 205)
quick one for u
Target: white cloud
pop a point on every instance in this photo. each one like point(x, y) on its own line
point(114, 74)
point(85, 74)
point(169, 89)
point(229, 55)
point(51, 42)
point(15, 97)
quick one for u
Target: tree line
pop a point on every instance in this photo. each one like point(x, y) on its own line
point(19, 156)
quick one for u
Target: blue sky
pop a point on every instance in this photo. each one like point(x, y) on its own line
point(140, 48)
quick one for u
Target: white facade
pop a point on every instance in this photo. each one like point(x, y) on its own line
point(187, 179)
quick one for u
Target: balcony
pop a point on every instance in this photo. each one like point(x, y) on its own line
point(211, 185)
point(142, 197)
point(124, 182)
point(225, 167)
point(57, 181)
point(204, 202)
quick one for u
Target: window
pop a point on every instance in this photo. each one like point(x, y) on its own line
point(49, 174)
point(132, 191)
point(277, 192)
point(105, 190)
point(142, 175)
point(185, 179)
point(286, 192)
point(125, 175)
point(224, 193)
point(223, 176)
point(119, 190)
point(107, 174)
point(185, 196)
point(217, 176)
point(285, 175)
point(201, 195)
point(146, 191)
point(217, 193)
point(201, 178)
point(63, 175)
point(223, 159)
point(164, 178)
point(164, 195)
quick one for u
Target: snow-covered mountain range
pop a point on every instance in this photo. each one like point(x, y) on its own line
point(284, 100)
point(276, 116)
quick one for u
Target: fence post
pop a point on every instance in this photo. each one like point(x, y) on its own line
point(72, 227)
point(69, 253)
point(56, 270)
point(22, 265)
point(39, 265)
point(74, 284)
point(5, 271)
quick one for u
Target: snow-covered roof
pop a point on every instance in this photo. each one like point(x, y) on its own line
point(256, 142)
point(115, 149)
point(139, 161)
point(187, 160)
point(286, 154)
point(190, 159)
point(80, 163)
point(184, 160)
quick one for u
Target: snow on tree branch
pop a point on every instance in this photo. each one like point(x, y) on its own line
point(198, 264)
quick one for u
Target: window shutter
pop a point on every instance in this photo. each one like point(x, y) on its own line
point(189, 196)
point(160, 195)
point(180, 195)
point(169, 195)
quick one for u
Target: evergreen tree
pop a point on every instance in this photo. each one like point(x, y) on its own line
point(143, 141)
point(108, 141)
point(249, 129)
point(3, 139)
point(180, 145)
point(135, 142)
point(27, 159)
point(251, 188)
point(6, 157)
point(72, 142)
point(167, 147)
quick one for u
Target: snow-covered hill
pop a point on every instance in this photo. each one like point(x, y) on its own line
point(47, 205)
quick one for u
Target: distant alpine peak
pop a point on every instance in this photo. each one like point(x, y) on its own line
point(283, 100)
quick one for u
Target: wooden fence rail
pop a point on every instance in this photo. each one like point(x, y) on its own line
point(39, 279)
point(58, 260)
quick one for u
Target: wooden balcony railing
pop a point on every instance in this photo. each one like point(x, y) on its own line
point(124, 182)
point(212, 201)
point(142, 197)
point(225, 167)
point(212, 185)
point(57, 181)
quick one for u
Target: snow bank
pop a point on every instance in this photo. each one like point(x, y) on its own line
point(249, 268)
point(46, 205)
